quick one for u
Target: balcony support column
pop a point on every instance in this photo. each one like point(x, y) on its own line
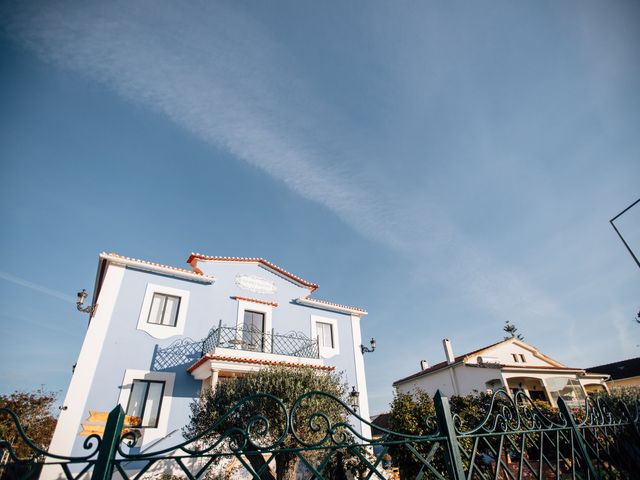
point(214, 379)
point(211, 381)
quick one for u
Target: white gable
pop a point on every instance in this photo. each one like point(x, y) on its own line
point(513, 353)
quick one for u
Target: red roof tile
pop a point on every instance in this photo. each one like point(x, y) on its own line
point(256, 361)
point(266, 263)
point(145, 262)
point(441, 365)
point(325, 302)
point(256, 300)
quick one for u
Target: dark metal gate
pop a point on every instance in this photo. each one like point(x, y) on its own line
point(514, 440)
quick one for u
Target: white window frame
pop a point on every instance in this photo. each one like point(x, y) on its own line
point(143, 407)
point(326, 352)
point(267, 310)
point(150, 433)
point(163, 331)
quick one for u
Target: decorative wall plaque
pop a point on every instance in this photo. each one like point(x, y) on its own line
point(256, 284)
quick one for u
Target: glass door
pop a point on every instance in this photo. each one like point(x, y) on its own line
point(253, 330)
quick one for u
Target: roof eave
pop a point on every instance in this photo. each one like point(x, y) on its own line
point(156, 268)
point(310, 302)
point(426, 373)
point(194, 257)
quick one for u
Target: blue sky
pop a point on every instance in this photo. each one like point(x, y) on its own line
point(445, 165)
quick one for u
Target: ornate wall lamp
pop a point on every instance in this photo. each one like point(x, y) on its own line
point(80, 301)
point(369, 350)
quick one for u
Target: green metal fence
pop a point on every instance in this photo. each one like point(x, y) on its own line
point(514, 440)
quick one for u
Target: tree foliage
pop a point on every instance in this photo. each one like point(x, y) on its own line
point(34, 412)
point(285, 383)
point(34, 409)
point(413, 414)
point(511, 330)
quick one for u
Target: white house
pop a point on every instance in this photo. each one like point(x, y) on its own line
point(159, 334)
point(512, 364)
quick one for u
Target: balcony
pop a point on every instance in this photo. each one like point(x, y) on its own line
point(293, 344)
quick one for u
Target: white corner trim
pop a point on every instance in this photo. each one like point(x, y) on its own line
point(163, 331)
point(312, 302)
point(67, 428)
point(150, 434)
point(157, 268)
point(361, 380)
point(326, 352)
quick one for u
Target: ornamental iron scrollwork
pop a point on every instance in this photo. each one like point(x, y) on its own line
point(250, 338)
point(13, 463)
point(509, 413)
point(512, 438)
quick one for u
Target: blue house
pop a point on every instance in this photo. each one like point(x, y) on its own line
point(160, 334)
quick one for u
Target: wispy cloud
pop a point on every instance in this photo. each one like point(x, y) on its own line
point(211, 70)
point(36, 287)
point(218, 74)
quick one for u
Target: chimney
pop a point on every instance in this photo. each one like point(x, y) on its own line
point(448, 351)
point(424, 364)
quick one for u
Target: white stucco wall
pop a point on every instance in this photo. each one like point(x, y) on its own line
point(474, 376)
point(440, 380)
point(503, 354)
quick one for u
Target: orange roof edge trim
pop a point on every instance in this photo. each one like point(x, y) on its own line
point(332, 304)
point(256, 361)
point(194, 257)
point(255, 300)
point(113, 256)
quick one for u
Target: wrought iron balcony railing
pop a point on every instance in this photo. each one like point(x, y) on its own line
point(293, 344)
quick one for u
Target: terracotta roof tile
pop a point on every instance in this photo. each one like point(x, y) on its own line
point(272, 266)
point(145, 262)
point(441, 365)
point(255, 361)
point(255, 300)
point(325, 302)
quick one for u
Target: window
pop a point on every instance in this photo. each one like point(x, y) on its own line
point(145, 401)
point(157, 388)
point(569, 389)
point(164, 310)
point(163, 313)
point(325, 334)
point(253, 329)
point(254, 325)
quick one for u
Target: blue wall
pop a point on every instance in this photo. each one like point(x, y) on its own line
point(126, 347)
